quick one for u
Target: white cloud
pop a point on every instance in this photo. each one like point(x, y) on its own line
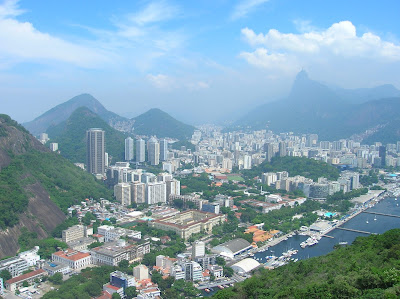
point(21, 41)
point(161, 81)
point(303, 25)
point(154, 12)
point(275, 61)
point(340, 39)
point(10, 9)
point(244, 7)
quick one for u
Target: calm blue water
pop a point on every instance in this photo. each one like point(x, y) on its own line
point(325, 245)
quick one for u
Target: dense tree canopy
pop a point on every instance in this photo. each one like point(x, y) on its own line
point(370, 268)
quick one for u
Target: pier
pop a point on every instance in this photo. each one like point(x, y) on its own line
point(355, 230)
point(381, 214)
point(328, 236)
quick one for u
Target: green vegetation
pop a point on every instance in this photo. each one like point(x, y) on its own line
point(203, 184)
point(86, 285)
point(235, 178)
point(175, 246)
point(370, 179)
point(370, 268)
point(66, 183)
point(158, 123)
point(303, 166)
point(177, 145)
point(71, 136)
point(47, 247)
point(5, 274)
point(7, 120)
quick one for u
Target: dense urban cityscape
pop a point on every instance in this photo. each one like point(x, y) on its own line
point(168, 149)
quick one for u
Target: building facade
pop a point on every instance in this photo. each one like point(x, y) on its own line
point(95, 151)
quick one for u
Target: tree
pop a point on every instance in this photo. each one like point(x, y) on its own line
point(56, 278)
point(25, 284)
point(228, 271)
point(115, 296)
point(123, 264)
point(220, 261)
point(130, 292)
point(156, 277)
point(5, 274)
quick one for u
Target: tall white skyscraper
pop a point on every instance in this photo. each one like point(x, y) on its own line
point(140, 150)
point(153, 151)
point(95, 153)
point(128, 149)
point(163, 150)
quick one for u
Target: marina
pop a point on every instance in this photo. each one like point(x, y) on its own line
point(357, 226)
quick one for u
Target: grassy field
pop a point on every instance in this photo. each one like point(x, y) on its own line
point(235, 178)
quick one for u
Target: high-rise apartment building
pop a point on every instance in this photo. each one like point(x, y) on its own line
point(269, 151)
point(138, 192)
point(122, 193)
point(282, 149)
point(198, 249)
point(153, 151)
point(140, 151)
point(156, 192)
point(128, 149)
point(163, 150)
point(95, 153)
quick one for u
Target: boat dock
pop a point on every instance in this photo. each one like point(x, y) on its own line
point(381, 214)
point(328, 236)
point(355, 230)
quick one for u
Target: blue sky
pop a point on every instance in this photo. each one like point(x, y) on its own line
point(201, 61)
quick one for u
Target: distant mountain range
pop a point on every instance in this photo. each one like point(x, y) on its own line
point(36, 186)
point(153, 122)
point(71, 135)
point(332, 113)
point(161, 124)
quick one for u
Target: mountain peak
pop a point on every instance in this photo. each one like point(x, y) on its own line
point(302, 75)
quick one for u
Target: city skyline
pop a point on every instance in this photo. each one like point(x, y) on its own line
point(172, 54)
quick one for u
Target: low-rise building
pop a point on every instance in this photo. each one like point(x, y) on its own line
point(189, 222)
point(15, 283)
point(54, 267)
point(113, 252)
point(74, 259)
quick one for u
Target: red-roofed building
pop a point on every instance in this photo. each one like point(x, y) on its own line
point(16, 282)
point(104, 295)
point(74, 259)
point(113, 289)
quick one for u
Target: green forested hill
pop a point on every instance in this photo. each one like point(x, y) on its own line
point(303, 166)
point(369, 268)
point(36, 186)
point(161, 124)
point(71, 136)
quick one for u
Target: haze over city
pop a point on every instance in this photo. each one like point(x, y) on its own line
point(222, 57)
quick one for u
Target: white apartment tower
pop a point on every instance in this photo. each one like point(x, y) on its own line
point(138, 192)
point(140, 151)
point(156, 192)
point(153, 151)
point(95, 153)
point(128, 149)
point(122, 193)
point(198, 249)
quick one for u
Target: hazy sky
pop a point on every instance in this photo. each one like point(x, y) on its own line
point(200, 61)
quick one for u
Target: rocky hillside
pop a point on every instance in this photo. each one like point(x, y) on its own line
point(36, 186)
